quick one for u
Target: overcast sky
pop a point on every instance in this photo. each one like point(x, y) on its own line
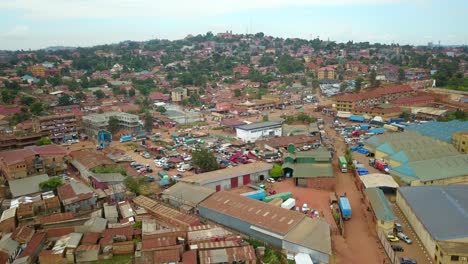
point(34, 24)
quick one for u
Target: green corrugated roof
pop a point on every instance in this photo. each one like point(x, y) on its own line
point(440, 168)
point(380, 204)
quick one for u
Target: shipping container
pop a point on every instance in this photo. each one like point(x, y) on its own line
point(345, 207)
point(289, 203)
point(284, 196)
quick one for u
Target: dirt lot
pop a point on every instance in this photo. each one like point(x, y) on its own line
point(360, 227)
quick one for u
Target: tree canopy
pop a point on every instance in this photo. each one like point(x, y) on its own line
point(276, 171)
point(204, 160)
point(51, 183)
point(113, 125)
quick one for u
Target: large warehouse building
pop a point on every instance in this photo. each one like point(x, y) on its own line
point(439, 216)
point(420, 160)
point(259, 130)
point(233, 177)
point(279, 227)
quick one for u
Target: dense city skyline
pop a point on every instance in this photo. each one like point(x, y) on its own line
point(31, 24)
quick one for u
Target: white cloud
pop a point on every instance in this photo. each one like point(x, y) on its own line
point(73, 9)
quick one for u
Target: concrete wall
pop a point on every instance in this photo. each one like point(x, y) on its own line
point(317, 257)
point(447, 259)
point(226, 184)
point(238, 225)
point(418, 227)
point(449, 181)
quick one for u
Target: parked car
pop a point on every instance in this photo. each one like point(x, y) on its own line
point(397, 228)
point(397, 248)
point(181, 170)
point(305, 208)
point(271, 180)
point(392, 238)
point(405, 260)
point(404, 237)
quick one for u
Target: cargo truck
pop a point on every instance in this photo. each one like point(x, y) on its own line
point(284, 196)
point(379, 164)
point(343, 164)
point(257, 195)
point(289, 204)
point(126, 138)
point(345, 207)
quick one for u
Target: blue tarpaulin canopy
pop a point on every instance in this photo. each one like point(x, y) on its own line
point(356, 118)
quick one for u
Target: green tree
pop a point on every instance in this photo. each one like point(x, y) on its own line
point(343, 86)
point(135, 184)
point(401, 75)
point(148, 121)
point(358, 83)
point(204, 160)
point(36, 108)
point(131, 92)
point(44, 141)
point(27, 100)
point(65, 99)
point(51, 183)
point(114, 125)
point(8, 96)
point(373, 79)
point(161, 109)
point(315, 84)
point(237, 93)
point(276, 171)
point(80, 96)
point(405, 115)
point(266, 61)
point(99, 94)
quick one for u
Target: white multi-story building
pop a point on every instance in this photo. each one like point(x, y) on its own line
point(94, 122)
point(259, 130)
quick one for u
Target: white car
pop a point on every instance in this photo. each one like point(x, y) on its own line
point(305, 208)
point(181, 170)
point(271, 180)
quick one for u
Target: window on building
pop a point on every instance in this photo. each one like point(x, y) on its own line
point(441, 254)
point(437, 248)
point(454, 258)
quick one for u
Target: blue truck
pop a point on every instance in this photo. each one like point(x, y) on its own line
point(257, 195)
point(126, 138)
point(345, 207)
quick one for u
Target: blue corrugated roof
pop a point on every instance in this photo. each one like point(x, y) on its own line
point(356, 118)
point(442, 210)
point(387, 148)
point(440, 130)
point(405, 169)
point(400, 157)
